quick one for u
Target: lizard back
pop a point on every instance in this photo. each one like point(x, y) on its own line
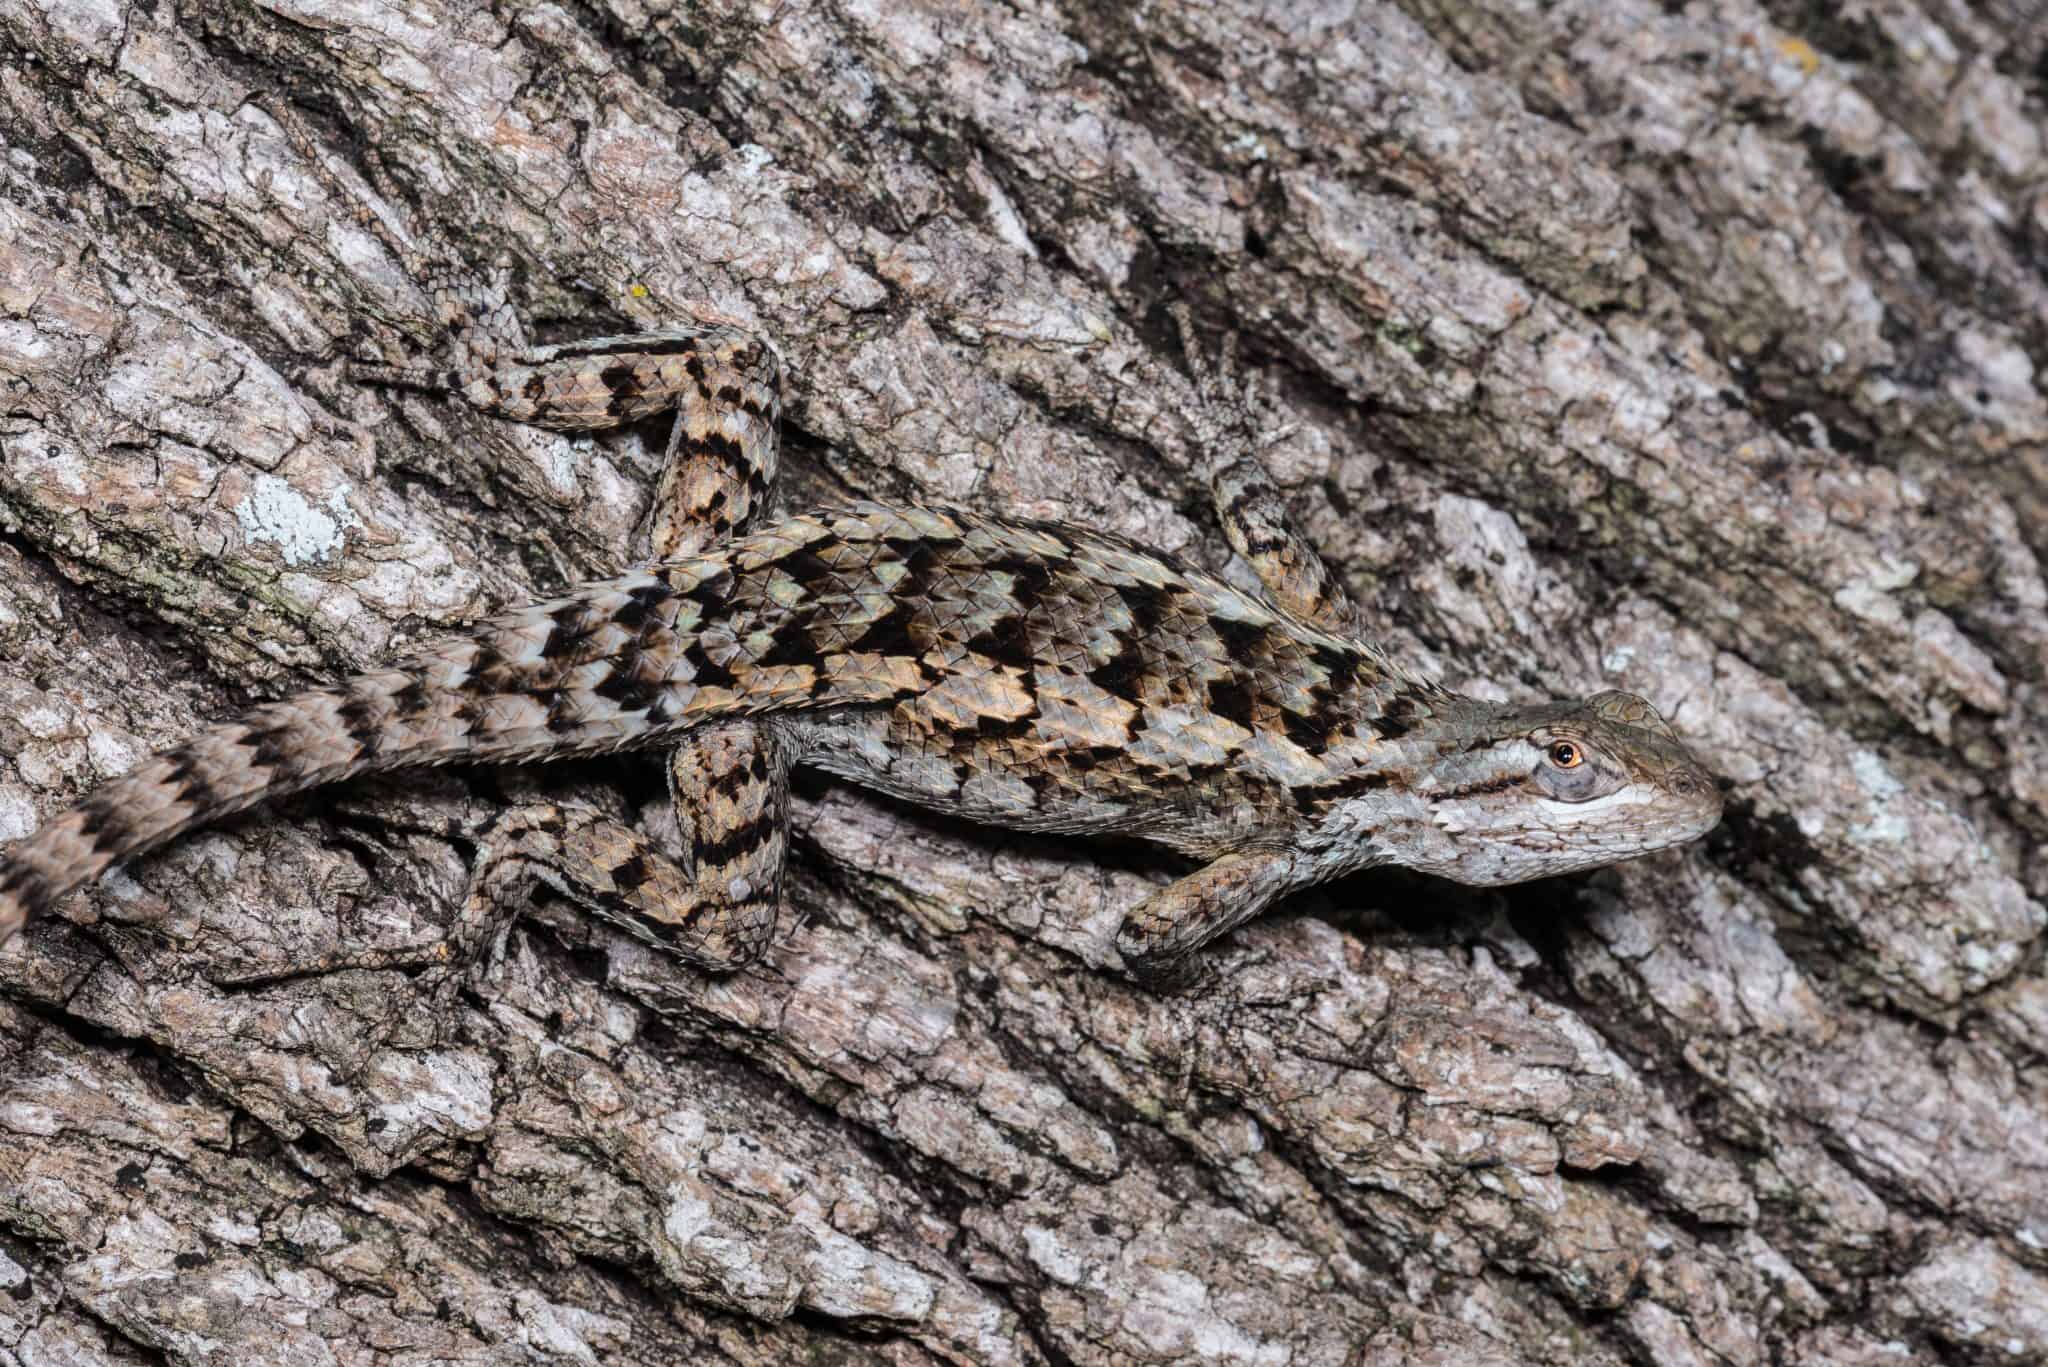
point(1052, 671)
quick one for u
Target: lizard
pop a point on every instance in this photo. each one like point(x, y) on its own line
point(1027, 674)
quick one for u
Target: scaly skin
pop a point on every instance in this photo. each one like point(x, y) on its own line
point(1031, 675)
point(1023, 674)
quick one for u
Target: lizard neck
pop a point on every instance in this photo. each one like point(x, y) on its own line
point(1379, 808)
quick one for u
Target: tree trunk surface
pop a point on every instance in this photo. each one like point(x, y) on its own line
point(1693, 350)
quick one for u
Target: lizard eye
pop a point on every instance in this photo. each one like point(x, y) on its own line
point(1573, 771)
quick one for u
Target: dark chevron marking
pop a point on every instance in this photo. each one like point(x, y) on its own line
point(1035, 675)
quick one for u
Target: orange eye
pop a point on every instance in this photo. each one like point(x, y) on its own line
point(1565, 755)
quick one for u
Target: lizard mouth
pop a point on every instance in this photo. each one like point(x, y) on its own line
point(1672, 811)
point(1567, 811)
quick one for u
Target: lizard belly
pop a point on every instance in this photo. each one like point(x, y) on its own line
point(1011, 780)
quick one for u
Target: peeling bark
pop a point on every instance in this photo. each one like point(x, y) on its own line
point(1693, 352)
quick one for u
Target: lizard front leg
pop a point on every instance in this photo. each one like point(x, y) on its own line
point(1159, 937)
point(1232, 423)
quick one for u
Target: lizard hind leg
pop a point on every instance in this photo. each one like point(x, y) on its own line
point(719, 916)
point(1233, 421)
point(721, 381)
point(475, 318)
point(481, 330)
point(729, 782)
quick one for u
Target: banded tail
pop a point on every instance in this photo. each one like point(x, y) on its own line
point(613, 665)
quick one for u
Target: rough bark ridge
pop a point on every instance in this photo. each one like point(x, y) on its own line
point(1690, 350)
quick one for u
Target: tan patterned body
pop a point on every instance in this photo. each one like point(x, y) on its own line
point(1030, 675)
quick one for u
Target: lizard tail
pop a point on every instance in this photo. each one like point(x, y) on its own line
point(609, 667)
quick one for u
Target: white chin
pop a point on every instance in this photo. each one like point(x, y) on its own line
point(1565, 813)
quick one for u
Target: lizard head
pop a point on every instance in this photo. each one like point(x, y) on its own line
point(1558, 787)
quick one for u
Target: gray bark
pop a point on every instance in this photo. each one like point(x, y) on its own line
point(1695, 351)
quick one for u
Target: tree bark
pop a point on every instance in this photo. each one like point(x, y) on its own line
point(1690, 350)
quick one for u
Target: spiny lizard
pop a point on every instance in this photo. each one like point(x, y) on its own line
point(1026, 674)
